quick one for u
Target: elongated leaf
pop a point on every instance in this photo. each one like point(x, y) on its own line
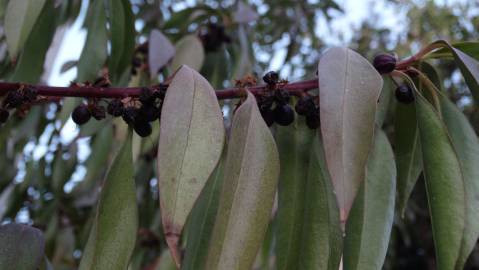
point(30, 65)
point(202, 222)
point(190, 52)
point(160, 51)
point(371, 219)
point(321, 237)
point(468, 47)
point(444, 185)
point(22, 247)
point(20, 17)
point(251, 175)
point(113, 234)
point(466, 146)
point(94, 53)
point(407, 151)
point(385, 102)
point(294, 144)
point(191, 141)
point(349, 90)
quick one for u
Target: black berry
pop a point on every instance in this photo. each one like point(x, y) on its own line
point(265, 102)
point(384, 63)
point(98, 112)
point(282, 96)
point(142, 128)
point(146, 96)
point(404, 94)
point(29, 94)
point(4, 114)
point(130, 115)
point(14, 99)
point(283, 115)
point(81, 114)
point(115, 108)
point(149, 113)
point(305, 106)
point(271, 77)
point(313, 121)
point(268, 116)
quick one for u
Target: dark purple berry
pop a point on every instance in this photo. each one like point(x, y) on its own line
point(149, 113)
point(115, 108)
point(264, 102)
point(283, 115)
point(29, 94)
point(146, 96)
point(313, 121)
point(271, 77)
point(98, 112)
point(305, 106)
point(4, 114)
point(14, 99)
point(282, 96)
point(268, 116)
point(142, 128)
point(130, 115)
point(384, 63)
point(404, 94)
point(81, 114)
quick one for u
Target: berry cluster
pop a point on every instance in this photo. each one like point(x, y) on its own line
point(306, 107)
point(16, 99)
point(137, 113)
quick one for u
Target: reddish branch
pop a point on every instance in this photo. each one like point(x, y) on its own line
point(295, 88)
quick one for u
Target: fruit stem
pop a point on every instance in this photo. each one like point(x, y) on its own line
point(418, 56)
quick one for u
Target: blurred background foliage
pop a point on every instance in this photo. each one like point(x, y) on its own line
point(51, 170)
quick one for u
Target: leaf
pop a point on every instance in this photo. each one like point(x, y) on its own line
point(407, 152)
point(122, 27)
point(22, 247)
point(192, 136)
point(189, 52)
point(251, 174)
point(470, 48)
point(113, 234)
point(466, 146)
point(444, 185)
point(294, 144)
point(203, 217)
point(349, 90)
point(30, 65)
point(384, 102)
point(20, 18)
point(94, 53)
point(371, 219)
point(321, 237)
point(160, 51)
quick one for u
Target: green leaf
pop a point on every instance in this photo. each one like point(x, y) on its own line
point(22, 247)
point(321, 238)
point(407, 152)
point(113, 234)
point(294, 144)
point(371, 218)
point(466, 146)
point(444, 185)
point(251, 175)
point(20, 18)
point(192, 137)
point(203, 216)
point(190, 52)
point(160, 52)
point(385, 102)
point(122, 28)
point(30, 65)
point(94, 53)
point(469, 47)
point(350, 88)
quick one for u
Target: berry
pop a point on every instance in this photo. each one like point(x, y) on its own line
point(313, 121)
point(268, 116)
point(384, 63)
point(282, 96)
point(149, 113)
point(115, 108)
point(404, 94)
point(130, 115)
point(4, 114)
point(146, 96)
point(305, 106)
point(81, 114)
point(283, 115)
point(142, 128)
point(265, 102)
point(14, 99)
point(98, 112)
point(29, 94)
point(271, 77)
point(136, 62)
